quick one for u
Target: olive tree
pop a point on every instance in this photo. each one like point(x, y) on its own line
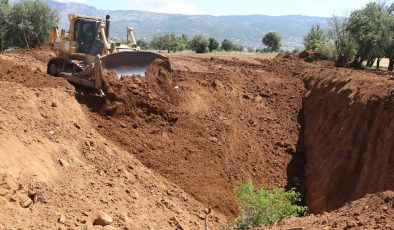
point(227, 45)
point(213, 44)
point(4, 11)
point(199, 44)
point(272, 41)
point(370, 27)
point(30, 23)
point(344, 43)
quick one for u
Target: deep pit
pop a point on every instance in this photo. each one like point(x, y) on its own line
point(216, 120)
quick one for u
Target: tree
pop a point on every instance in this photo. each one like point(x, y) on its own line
point(370, 28)
point(4, 11)
point(169, 42)
point(213, 44)
point(166, 42)
point(315, 38)
point(30, 23)
point(227, 45)
point(344, 43)
point(199, 44)
point(272, 41)
point(182, 42)
point(144, 45)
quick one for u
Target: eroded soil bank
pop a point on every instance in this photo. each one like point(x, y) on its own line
point(349, 136)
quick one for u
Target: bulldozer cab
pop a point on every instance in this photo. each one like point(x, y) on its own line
point(88, 37)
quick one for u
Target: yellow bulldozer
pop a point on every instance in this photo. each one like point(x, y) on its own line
point(85, 50)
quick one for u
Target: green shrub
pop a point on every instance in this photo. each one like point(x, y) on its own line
point(265, 206)
point(327, 51)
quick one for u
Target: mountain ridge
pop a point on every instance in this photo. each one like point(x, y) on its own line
point(246, 30)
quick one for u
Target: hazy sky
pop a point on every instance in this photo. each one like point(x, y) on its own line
point(233, 7)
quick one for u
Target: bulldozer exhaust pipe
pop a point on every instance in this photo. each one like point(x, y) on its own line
point(107, 26)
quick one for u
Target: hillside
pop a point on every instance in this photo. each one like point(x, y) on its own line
point(246, 30)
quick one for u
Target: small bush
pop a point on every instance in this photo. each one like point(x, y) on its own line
point(327, 51)
point(265, 206)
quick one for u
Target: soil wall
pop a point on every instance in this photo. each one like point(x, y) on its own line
point(349, 133)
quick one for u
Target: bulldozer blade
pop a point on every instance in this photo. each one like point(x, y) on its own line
point(129, 63)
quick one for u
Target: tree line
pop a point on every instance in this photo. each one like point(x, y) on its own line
point(26, 24)
point(366, 36)
point(199, 43)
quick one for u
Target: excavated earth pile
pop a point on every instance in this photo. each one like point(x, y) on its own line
point(167, 150)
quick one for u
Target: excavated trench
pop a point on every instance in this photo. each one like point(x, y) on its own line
point(340, 147)
point(215, 121)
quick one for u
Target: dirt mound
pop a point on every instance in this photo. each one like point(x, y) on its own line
point(58, 171)
point(287, 56)
point(310, 56)
point(134, 96)
point(371, 212)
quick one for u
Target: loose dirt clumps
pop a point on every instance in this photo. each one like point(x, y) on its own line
point(371, 212)
point(137, 96)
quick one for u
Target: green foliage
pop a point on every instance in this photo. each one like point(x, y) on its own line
point(371, 29)
point(30, 23)
point(4, 11)
point(182, 42)
point(213, 44)
point(316, 37)
point(345, 46)
point(199, 44)
point(327, 51)
point(272, 41)
point(169, 42)
point(265, 206)
point(144, 45)
point(227, 45)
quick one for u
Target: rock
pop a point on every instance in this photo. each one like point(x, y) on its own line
point(385, 208)
point(103, 219)
point(214, 139)
point(296, 228)
point(350, 224)
point(54, 104)
point(326, 228)
point(61, 219)
point(63, 162)
point(109, 227)
point(27, 203)
point(123, 125)
point(85, 213)
point(77, 126)
point(258, 99)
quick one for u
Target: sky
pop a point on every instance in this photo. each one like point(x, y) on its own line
point(324, 8)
